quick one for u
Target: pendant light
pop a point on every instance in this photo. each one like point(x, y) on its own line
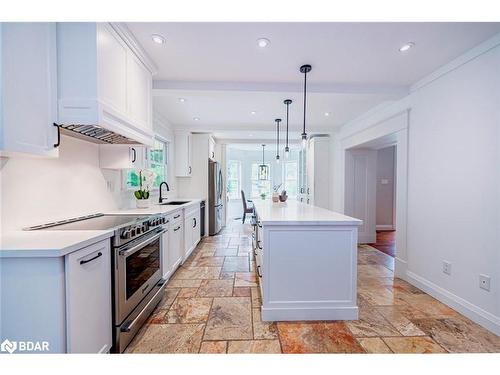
point(263, 168)
point(287, 149)
point(278, 120)
point(305, 69)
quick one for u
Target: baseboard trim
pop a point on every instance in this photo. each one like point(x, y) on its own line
point(384, 227)
point(400, 268)
point(292, 314)
point(471, 311)
point(367, 238)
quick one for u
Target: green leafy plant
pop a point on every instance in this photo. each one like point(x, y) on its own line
point(263, 195)
point(146, 179)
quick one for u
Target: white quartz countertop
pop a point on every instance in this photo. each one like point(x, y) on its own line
point(296, 213)
point(54, 243)
point(156, 208)
point(47, 243)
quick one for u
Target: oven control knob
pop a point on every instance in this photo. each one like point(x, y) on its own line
point(163, 220)
point(145, 227)
point(125, 234)
point(138, 230)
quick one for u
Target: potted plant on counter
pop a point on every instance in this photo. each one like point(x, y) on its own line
point(146, 179)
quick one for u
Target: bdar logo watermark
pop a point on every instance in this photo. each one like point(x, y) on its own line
point(24, 346)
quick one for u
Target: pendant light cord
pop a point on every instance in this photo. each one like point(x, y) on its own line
point(305, 93)
point(287, 106)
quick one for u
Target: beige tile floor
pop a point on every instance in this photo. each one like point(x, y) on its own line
point(212, 305)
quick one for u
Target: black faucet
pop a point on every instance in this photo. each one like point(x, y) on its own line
point(168, 189)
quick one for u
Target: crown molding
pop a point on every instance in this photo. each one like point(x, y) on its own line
point(124, 32)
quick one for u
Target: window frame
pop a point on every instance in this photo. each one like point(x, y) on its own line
point(238, 179)
point(147, 162)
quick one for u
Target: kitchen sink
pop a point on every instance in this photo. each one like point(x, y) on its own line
point(176, 203)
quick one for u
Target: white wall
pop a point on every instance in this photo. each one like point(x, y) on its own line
point(453, 188)
point(36, 190)
point(39, 190)
point(385, 187)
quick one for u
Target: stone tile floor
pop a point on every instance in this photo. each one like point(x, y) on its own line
point(212, 305)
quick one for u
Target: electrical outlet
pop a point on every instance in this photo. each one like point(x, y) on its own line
point(446, 267)
point(484, 282)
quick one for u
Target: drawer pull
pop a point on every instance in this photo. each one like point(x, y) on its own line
point(258, 272)
point(176, 229)
point(259, 224)
point(99, 254)
point(258, 245)
point(177, 216)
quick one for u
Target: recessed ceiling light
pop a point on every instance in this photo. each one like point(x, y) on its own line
point(327, 114)
point(196, 118)
point(182, 100)
point(158, 39)
point(406, 47)
point(250, 135)
point(253, 113)
point(263, 42)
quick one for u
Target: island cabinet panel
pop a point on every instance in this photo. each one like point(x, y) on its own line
point(310, 264)
point(306, 259)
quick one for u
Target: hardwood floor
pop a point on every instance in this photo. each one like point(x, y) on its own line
point(212, 305)
point(386, 242)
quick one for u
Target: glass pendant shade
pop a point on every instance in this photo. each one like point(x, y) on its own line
point(263, 168)
point(263, 172)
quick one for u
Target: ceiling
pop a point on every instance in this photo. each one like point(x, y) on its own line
point(223, 75)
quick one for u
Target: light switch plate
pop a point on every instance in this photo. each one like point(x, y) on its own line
point(384, 181)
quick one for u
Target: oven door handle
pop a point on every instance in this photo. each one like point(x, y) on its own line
point(131, 324)
point(127, 252)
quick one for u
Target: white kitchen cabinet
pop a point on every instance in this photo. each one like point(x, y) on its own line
point(317, 190)
point(183, 166)
point(122, 156)
point(191, 230)
point(211, 148)
point(176, 241)
point(166, 260)
point(28, 93)
point(139, 86)
point(104, 79)
point(64, 300)
point(88, 299)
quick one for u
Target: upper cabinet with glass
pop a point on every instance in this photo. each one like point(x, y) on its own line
point(104, 78)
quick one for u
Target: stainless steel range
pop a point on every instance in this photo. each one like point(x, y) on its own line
point(136, 267)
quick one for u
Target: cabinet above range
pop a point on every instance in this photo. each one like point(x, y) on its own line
point(104, 79)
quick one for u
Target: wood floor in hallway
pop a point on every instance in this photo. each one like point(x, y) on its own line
point(386, 242)
point(212, 305)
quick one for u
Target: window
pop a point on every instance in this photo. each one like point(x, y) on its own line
point(156, 161)
point(233, 179)
point(290, 171)
point(260, 186)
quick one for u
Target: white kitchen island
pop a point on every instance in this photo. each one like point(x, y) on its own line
point(306, 260)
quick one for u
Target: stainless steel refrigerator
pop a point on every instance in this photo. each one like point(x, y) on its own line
point(215, 202)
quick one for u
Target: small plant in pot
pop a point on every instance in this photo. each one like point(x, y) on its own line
point(146, 179)
point(263, 196)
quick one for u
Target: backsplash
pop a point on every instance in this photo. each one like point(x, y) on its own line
point(36, 190)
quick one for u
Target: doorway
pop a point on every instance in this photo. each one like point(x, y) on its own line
point(358, 156)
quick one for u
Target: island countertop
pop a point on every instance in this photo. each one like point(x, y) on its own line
point(297, 213)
